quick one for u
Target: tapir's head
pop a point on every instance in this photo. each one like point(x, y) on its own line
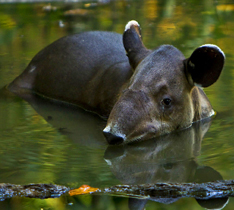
point(160, 95)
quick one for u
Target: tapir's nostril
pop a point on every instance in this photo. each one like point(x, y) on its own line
point(113, 139)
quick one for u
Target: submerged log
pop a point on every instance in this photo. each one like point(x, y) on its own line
point(32, 190)
point(209, 190)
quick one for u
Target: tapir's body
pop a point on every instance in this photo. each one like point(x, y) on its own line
point(86, 69)
point(145, 94)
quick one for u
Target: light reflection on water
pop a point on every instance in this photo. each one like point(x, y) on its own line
point(69, 149)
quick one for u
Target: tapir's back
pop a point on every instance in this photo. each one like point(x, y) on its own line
point(74, 68)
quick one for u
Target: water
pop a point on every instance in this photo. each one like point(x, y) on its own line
point(43, 142)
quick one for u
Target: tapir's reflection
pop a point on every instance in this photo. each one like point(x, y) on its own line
point(170, 158)
point(80, 126)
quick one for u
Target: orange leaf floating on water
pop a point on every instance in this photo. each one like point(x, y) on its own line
point(84, 189)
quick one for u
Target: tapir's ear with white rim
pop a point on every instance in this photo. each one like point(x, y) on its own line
point(204, 66)
point(132, 41)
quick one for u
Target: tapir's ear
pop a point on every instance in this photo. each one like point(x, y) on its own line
point(136, 51)
point(204, 66)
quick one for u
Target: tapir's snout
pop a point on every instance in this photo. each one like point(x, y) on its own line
point(112, 138)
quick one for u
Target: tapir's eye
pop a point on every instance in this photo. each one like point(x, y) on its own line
point(166, 101)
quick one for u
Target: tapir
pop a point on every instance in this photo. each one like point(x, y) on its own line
point(143, 93)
